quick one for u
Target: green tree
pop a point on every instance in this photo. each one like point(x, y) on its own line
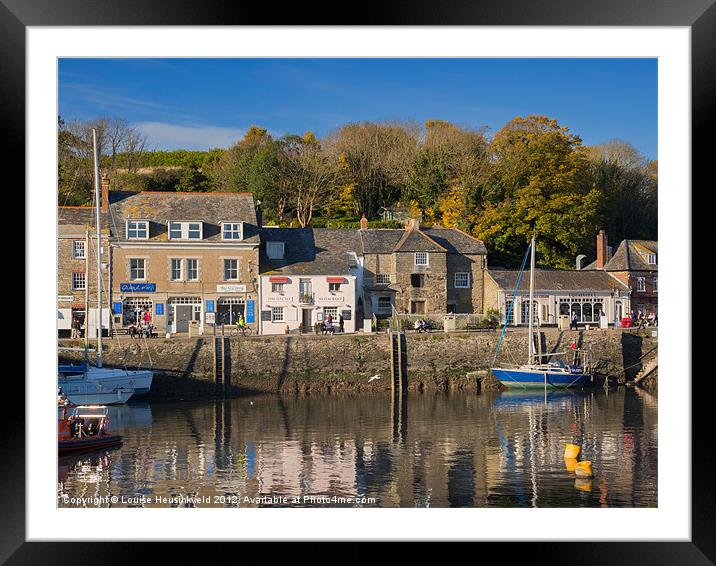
point(629, 186)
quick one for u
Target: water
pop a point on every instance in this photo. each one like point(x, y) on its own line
point(431, 450)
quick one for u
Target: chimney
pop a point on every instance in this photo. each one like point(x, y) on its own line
point(412, 224)
point(259, 214)
point(363, 222)
point(104, 202)
point(602, 249)
point(579, 264)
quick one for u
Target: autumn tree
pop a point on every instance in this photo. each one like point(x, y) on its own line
point(449, 167)
point(539, 184)
point(376, 158)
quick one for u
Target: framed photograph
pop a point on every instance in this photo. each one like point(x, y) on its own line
point(394, 279)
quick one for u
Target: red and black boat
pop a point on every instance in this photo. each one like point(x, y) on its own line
point(84, 427)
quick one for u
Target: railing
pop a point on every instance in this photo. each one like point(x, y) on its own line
point(306, 298)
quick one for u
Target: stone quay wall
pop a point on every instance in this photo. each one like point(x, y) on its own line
point(344, 363)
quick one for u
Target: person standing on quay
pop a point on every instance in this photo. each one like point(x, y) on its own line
point(340, 323)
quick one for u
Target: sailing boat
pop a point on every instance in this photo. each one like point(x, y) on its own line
point(89, 382)
point(555, 374)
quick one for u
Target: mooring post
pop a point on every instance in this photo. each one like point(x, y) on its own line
point(224, 373)
point(403, 349)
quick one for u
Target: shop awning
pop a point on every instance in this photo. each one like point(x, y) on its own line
point(278, 279)
point(336, 279)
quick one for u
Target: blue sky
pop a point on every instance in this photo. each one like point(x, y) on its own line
point(203, 103)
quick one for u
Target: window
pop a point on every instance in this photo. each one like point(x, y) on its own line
point(78, 281)
point(416, 280)
point(194, 231)
point(462, 280)
point(656, 284)
point(276, 314)
point(275, 250)
point(231, 230)
point(334, 287)
point(510, 312)
point(333, 311)
point(137, 270)
point(185, 230)
point(174, 230)
point(382, 279)
point(652, 259)
point(78, 249)
point(175, 274)
point(231, 269)
point(137, 229)
point(277, 287)
point(641, 284)
point(421, 258)
point(384, 303)
point(192, 269)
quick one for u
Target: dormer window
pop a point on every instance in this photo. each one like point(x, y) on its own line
point(185, 230)
point(652, 259)
point(275, 250)
point(137, 229)
point(232, 230)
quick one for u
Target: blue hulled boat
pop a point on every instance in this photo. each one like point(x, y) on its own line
point(555, 374)
point(546, 375)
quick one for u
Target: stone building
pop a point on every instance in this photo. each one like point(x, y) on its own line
point(308, 274)
point(557, 292)
point(634, 263)
point(190, 259)
point(421, 270)
point(77, 269)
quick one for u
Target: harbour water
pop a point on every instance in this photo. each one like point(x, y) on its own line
point(426, 450)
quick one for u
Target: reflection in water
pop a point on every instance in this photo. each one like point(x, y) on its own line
point(456, 450)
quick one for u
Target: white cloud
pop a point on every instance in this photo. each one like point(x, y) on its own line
point(163, 136)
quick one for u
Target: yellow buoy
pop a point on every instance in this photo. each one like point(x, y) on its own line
point(570, 464)
point(583, 484)
point(571, 451)
point(584, 469)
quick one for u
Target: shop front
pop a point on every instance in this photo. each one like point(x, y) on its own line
point(299, 304)
point(548, 307)
point(181, 311)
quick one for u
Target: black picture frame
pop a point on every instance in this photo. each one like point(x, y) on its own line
point(699, 15)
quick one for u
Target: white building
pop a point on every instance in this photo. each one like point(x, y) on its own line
point(306, 275)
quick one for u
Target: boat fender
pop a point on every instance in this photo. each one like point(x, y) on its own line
point(570, 464)
point(584, 469)
point(571, 451)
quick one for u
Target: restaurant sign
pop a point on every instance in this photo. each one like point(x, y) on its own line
point(138, 287)
point(231, 288)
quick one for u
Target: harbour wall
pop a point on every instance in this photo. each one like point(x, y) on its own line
point(184, 367)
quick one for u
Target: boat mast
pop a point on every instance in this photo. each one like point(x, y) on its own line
point(97, 197)
point(530, 359)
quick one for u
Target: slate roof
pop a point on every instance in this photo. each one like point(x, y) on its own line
point(456, 241)
point(389, 240)
point(417, 241)
point(79, 217)
point(557, 280)
point(310, 251)
point(162, 207)
point(380, 240)
point(631, 255)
